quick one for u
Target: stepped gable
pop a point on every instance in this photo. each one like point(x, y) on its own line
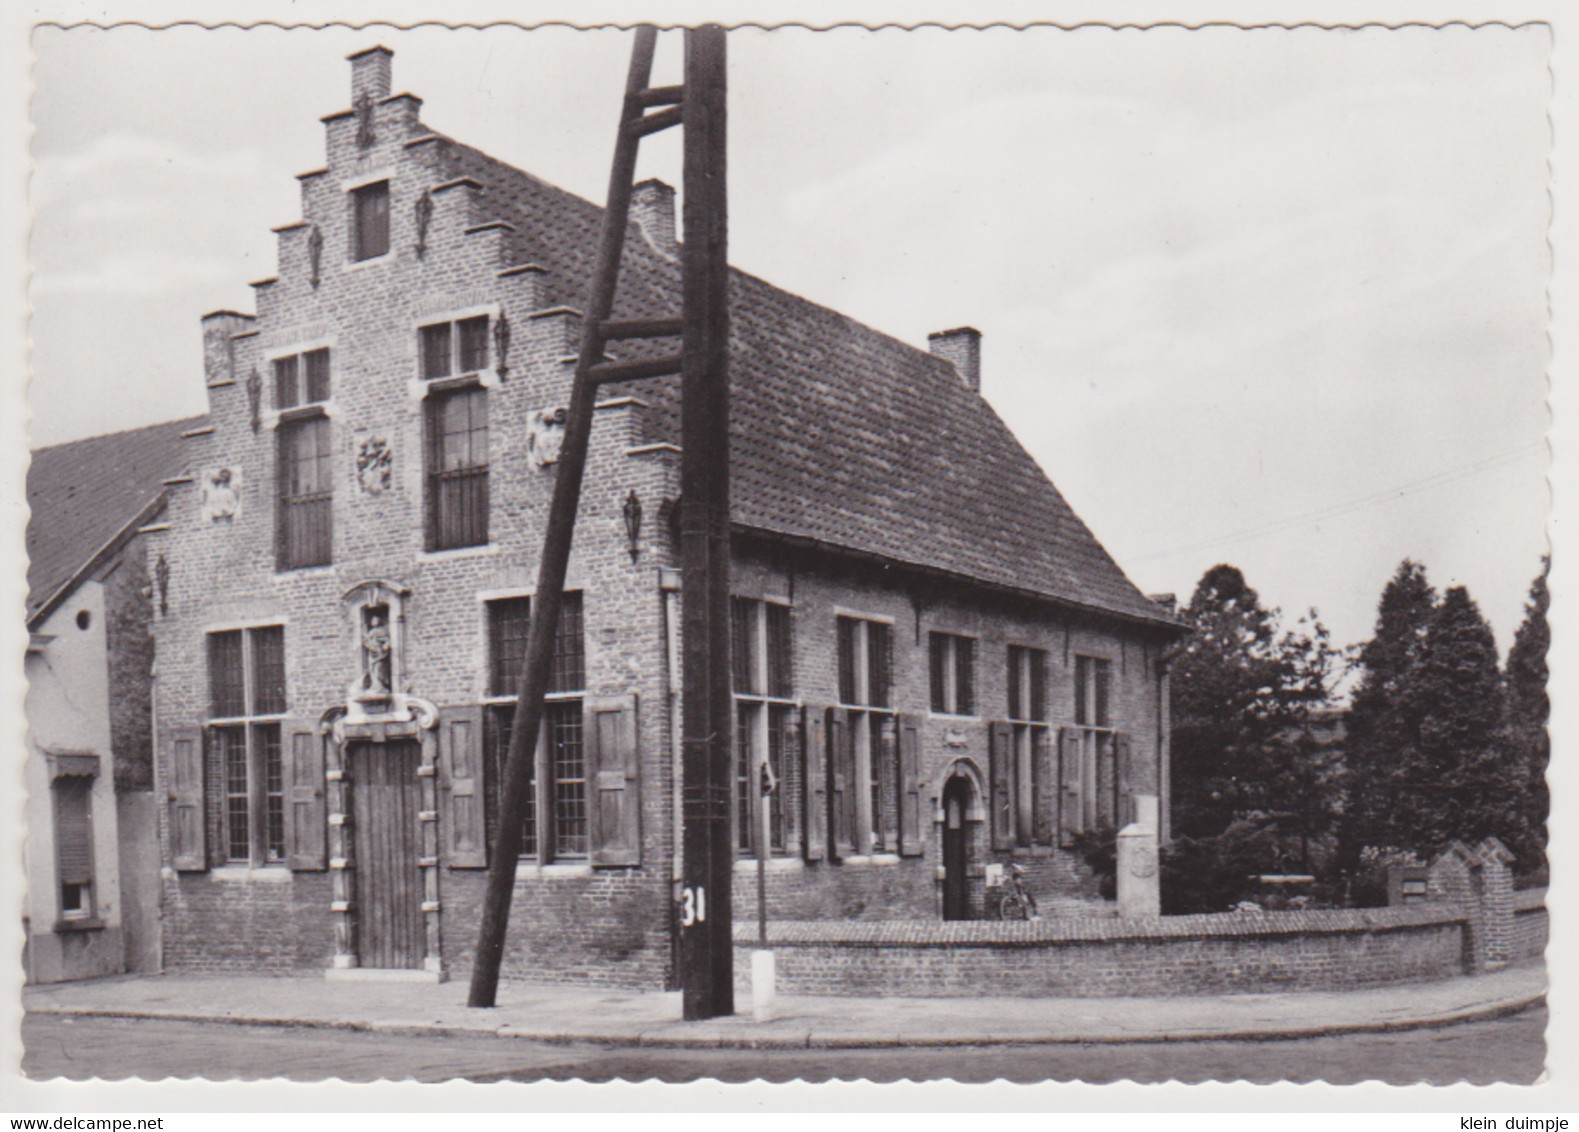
point(84, 493)
point(839, 434)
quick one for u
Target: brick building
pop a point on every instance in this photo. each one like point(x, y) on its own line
point(939, 662)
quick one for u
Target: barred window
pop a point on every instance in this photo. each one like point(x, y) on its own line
point(457, 469)
point(306, 494)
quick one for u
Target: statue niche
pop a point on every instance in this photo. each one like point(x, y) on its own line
point(379, 692)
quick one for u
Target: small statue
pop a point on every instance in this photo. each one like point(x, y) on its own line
point(375, 653)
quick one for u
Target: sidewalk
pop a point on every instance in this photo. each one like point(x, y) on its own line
point(616, 1017)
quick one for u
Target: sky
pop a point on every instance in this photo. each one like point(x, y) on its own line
point(1270, 297)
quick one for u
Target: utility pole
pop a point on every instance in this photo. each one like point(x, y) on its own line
point(706, 914)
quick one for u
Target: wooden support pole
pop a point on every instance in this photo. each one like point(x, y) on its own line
point(706, 915)
point(556, 545)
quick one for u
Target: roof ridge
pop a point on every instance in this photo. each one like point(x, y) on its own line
point(59, 444)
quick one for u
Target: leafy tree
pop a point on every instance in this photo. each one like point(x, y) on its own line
point(1526, 743)
point(1243, 692)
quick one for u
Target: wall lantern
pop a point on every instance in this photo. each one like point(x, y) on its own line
point(162, 577)
point(501, 342)
point(255, 396)
point(424, 207)
point(632, 512)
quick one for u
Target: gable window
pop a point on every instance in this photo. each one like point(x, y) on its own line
point(953, 670)
point(560, 760)
point(246, 682)
point(866, 665)
point(370, 221)
point(766, 723)
point(305, 526)
point(457, 467)
point(301, 379)
point(73, 797)
point(452, 349)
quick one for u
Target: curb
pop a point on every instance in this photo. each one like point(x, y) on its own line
point(812, 1040)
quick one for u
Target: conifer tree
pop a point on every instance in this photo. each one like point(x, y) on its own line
point(1525, 740)
point(1378, 751)
point(1455, 783)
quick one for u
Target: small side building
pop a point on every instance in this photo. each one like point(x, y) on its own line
point(91, 849)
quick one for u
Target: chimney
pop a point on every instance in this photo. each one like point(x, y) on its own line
point(371, 74)
point(961, 348)
point(219, 352)
point(1170, 602)
point(652, 207)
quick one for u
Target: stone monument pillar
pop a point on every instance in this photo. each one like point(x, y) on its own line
point(1139, 889)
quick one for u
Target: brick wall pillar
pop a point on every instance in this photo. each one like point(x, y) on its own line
point(1455, 878)
point(1496, 899)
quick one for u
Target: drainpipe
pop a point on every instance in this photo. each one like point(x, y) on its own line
point(1165, 746)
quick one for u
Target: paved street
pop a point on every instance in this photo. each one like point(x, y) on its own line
point(1508, 1049)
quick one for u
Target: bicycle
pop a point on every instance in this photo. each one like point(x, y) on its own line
point(1017, 903)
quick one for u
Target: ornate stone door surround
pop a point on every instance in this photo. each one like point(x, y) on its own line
point(379, 707)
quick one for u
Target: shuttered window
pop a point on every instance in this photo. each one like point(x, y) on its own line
point(74, 845)
point(1033, 772)
point(866, 670)
point(561, 749)
point(763, 665)
point(245, 748)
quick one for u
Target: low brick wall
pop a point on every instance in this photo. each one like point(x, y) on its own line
point(1098, 958)
point(1531, 928)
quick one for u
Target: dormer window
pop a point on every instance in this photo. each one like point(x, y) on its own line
point(451, 349)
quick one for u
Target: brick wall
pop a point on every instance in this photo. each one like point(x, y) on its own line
point(1094, 958)
point(1531, 928)
point(128, 607)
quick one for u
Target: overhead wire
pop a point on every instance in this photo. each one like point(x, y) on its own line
point(1337, 510)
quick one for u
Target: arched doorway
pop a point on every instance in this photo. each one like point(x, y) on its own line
point(956, 848)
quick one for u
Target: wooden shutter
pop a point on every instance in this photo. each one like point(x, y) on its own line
point(1123, 780)
point(841, 782)
point(73, 830)
point(1106, 808)
point(815, 752)
point(188, 821)
point(1001, 757)
point(1044, 785)
point(911, 841)
point(306, 829)
point(463, 827)
point(789, 768)
point(613, 772)
point(1069, 814)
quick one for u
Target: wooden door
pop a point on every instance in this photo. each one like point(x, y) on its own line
point(388, 836)
point(956, 899)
